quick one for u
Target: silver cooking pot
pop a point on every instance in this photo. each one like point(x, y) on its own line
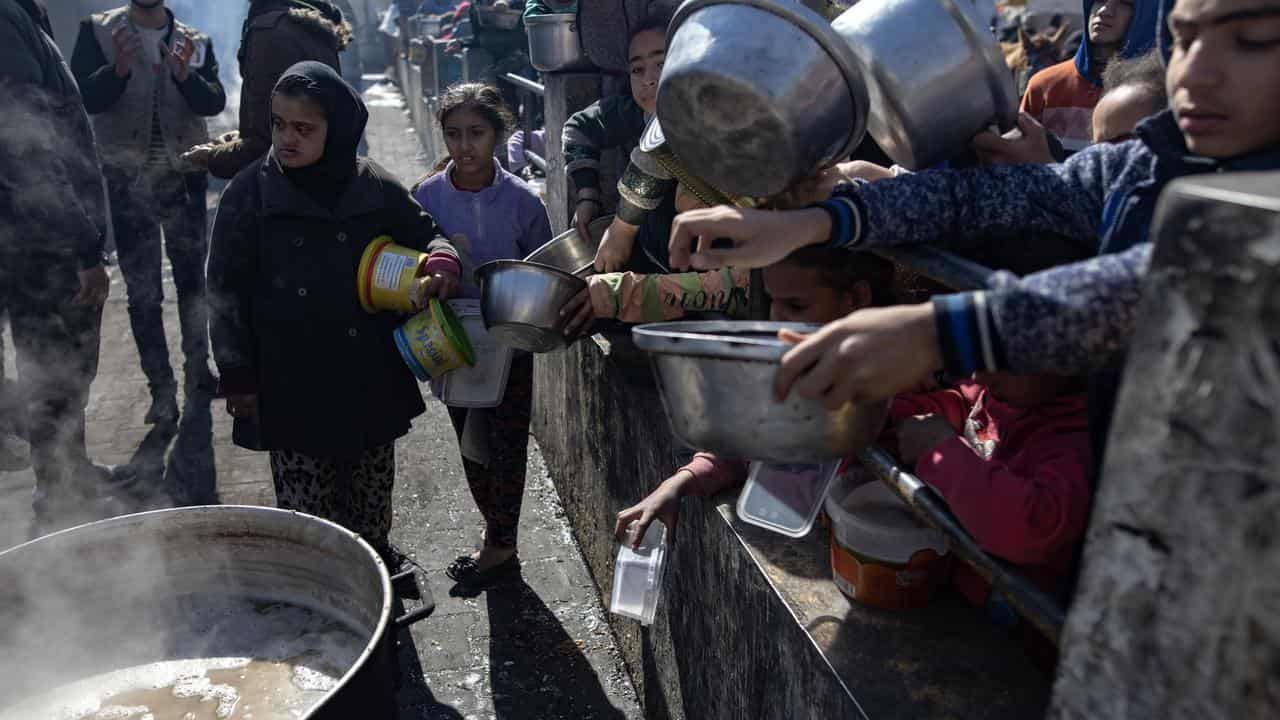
point(520, 303)
point(555, 44)
point(935, 74)
point(716, 380)
point(111, 595)
point(569, 252)
point(756, 94)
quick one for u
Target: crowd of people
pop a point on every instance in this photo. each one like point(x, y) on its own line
point(1001, 398)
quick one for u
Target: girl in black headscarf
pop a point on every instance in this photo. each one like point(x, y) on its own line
point(310, 376)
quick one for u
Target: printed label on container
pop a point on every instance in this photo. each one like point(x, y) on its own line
point(386, 275)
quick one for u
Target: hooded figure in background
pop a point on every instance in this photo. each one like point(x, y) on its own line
point(52, 279)
point(1062, 96)
point(277, 34)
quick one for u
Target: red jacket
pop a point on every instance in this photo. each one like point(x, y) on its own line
point(1028, 502)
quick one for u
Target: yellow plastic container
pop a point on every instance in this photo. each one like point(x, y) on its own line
point(386, 275)
point(433, 342)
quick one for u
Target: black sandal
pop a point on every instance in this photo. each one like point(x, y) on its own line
point(465, 569)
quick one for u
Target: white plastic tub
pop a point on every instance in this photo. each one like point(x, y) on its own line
point(637, 576)
point(485, 384)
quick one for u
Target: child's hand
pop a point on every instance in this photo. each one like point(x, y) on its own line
point(579, 310)
point(920, 434)
point(443, 285)
point(615, 246)
point(663, 504)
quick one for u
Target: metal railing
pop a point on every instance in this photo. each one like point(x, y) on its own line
point(525, 84)
point(531, 95)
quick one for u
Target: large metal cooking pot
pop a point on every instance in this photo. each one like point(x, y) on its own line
point(569, 252)
point(555, 44)
point(716, 380)
point(756, 94)
point(116, 594)
point(521, 302)
point(935, 74)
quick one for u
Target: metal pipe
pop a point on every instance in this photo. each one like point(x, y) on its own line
point(524, 84)
point(1028, 600)
point(536, 160)
point(945, 267)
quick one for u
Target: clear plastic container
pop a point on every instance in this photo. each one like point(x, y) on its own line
point(485, 384)
point(785, 497)
point(637, 576)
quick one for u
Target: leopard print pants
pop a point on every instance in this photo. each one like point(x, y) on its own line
point(355, 493)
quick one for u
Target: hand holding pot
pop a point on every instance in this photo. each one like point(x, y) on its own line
point(615, 246)
point(760, 237)
point(869, 355)
point(586, 211)
point(580, 311)
point(1029, 145)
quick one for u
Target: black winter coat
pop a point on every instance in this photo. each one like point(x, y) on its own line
point(286, 319)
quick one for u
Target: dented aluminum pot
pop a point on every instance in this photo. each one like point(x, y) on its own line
point(716, 380)
point(935, 75)
point(756, 94)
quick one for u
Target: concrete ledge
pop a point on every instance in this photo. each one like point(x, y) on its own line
point(750, 624)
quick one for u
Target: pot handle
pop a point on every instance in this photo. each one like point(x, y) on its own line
point(427, 603)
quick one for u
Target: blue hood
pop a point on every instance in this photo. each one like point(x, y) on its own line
point(1140, 38)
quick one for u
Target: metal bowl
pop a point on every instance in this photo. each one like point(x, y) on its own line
point(716, 380)
point(935, 74)
point(554, 43)
point(756, 94)
point(521, 301)
point(569, 252)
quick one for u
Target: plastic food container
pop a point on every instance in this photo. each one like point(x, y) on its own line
point(386, 275)
point(881, 556)
point(433, 342)
point(785, 497)
point(484, 384)
point(637, 576)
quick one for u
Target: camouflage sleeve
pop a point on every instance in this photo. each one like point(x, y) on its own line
point(631, 297)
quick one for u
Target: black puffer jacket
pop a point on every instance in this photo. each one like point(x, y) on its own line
point(286, 319)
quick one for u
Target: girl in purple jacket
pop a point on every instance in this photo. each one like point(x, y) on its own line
point(491, 215)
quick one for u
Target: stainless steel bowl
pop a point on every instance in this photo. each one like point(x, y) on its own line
point(554, 43)
point(521, 301)
point(569, 252)
point(758, 93)
point(716, 380)
point(935, 74)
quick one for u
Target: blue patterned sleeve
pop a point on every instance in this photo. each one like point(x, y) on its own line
point(959, 208)
point(1067, 320)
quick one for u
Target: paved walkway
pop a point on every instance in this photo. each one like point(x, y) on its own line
point(538, 647)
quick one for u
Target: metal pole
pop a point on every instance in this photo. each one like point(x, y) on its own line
point(1028, 600)
point(945, 267)
point(524, 84)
